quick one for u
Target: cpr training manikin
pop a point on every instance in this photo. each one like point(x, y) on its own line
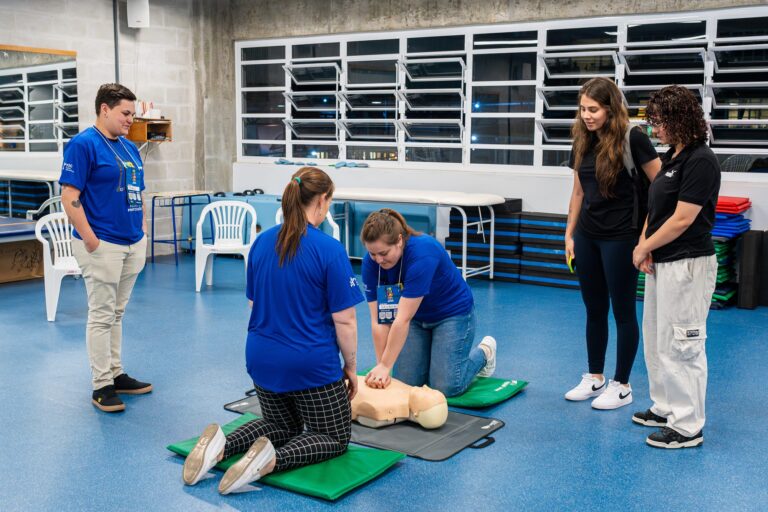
point(398, 402)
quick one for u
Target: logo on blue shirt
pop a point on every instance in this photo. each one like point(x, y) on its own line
point(352, 282)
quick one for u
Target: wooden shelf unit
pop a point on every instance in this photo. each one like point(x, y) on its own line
point(151, 130)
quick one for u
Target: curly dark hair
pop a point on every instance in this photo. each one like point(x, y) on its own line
point(680, 112)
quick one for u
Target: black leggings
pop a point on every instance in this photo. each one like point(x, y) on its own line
point(605, 271)
point(305, 427)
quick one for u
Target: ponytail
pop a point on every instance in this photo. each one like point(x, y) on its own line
point(306, 184)
point(387, 224)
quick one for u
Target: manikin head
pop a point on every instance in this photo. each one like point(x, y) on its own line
point(429, 408)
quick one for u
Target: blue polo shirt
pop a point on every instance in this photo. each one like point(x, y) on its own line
point(291, 335)
point(97, 167)
point(427, 272)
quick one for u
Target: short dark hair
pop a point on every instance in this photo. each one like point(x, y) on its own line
point(112, 94)
point(680, 111)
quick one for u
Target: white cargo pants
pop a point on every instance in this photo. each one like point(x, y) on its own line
point(677, 299)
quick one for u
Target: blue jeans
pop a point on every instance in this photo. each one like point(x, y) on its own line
point(441, 355)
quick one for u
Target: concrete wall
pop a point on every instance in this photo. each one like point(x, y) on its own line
point(157, 63)
point(215, 80)
point(254, 19)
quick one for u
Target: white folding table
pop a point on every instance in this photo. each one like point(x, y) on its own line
point(454, 200)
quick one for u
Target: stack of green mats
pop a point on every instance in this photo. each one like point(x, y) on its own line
point(725, 288)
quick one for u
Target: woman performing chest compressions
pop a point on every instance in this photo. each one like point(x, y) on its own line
point(422, 311)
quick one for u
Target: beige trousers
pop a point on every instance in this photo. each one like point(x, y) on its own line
point(677, 299)
point(109, 273)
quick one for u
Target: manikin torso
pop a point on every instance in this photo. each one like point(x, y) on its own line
point(398, 402)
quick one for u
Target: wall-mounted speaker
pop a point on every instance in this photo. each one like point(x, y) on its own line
point(138, 13)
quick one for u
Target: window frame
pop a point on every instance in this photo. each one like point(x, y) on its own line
point(60, 89)
point(403, 114)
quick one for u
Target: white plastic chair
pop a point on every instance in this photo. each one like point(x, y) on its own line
point(63, 262)
point(52, 203)
point(229, 220)
point(328, 218)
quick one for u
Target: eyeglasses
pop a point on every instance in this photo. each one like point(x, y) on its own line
point(655, 123)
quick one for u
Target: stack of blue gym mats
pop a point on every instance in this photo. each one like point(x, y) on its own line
point(25, 196)
point(542, 236)
point(528, 246)
point(730, 225)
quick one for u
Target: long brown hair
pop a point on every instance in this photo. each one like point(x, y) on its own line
point(609, 148)
point(387, 224)
point(306, 184)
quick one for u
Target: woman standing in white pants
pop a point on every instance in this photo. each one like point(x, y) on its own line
point(677, 254)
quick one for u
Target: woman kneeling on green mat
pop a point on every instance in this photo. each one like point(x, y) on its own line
point(303, 294)
point(422, 311)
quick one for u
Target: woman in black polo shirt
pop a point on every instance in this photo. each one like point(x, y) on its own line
point(604, 222)
point(677, 254)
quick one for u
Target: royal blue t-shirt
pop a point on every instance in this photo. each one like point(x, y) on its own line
point(427, 272)
point(291, 335)
point(92, 164)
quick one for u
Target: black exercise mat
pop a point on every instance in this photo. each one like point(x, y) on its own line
point(460, 431)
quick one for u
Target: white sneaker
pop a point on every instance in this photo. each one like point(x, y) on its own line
point(588, 387)
point(204, 456)
point(246, 470)
point(615, 396)
point(490, 362)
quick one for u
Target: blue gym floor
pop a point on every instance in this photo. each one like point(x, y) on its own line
point(60, 453)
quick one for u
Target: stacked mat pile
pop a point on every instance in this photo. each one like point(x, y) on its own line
point(506, 244)
point(529, 246)
point(542, 236)
point(24, 195)
point(730, 224)
point(725, 287)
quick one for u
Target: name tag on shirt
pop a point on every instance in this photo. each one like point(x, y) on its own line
point(387, 299)
point(132, 186)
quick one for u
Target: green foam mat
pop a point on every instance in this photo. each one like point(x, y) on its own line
point(329, 480)
point(487, 391)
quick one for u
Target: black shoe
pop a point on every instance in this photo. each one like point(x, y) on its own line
point(106, 399)
point(668, 438)
point(649, 419)
point(131, 386)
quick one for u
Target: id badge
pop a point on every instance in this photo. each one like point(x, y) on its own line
point(387, 298)
point(132, 186)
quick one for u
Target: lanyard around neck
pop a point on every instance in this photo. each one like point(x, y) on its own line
point(113, 149)
point(399, 277)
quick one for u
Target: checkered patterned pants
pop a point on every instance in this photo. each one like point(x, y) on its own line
point(305, 427)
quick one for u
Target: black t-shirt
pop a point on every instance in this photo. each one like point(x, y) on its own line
point(692, 177)
point(610, 218)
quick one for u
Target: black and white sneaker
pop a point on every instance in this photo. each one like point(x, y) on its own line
point(668, 438)
point(649, 419)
